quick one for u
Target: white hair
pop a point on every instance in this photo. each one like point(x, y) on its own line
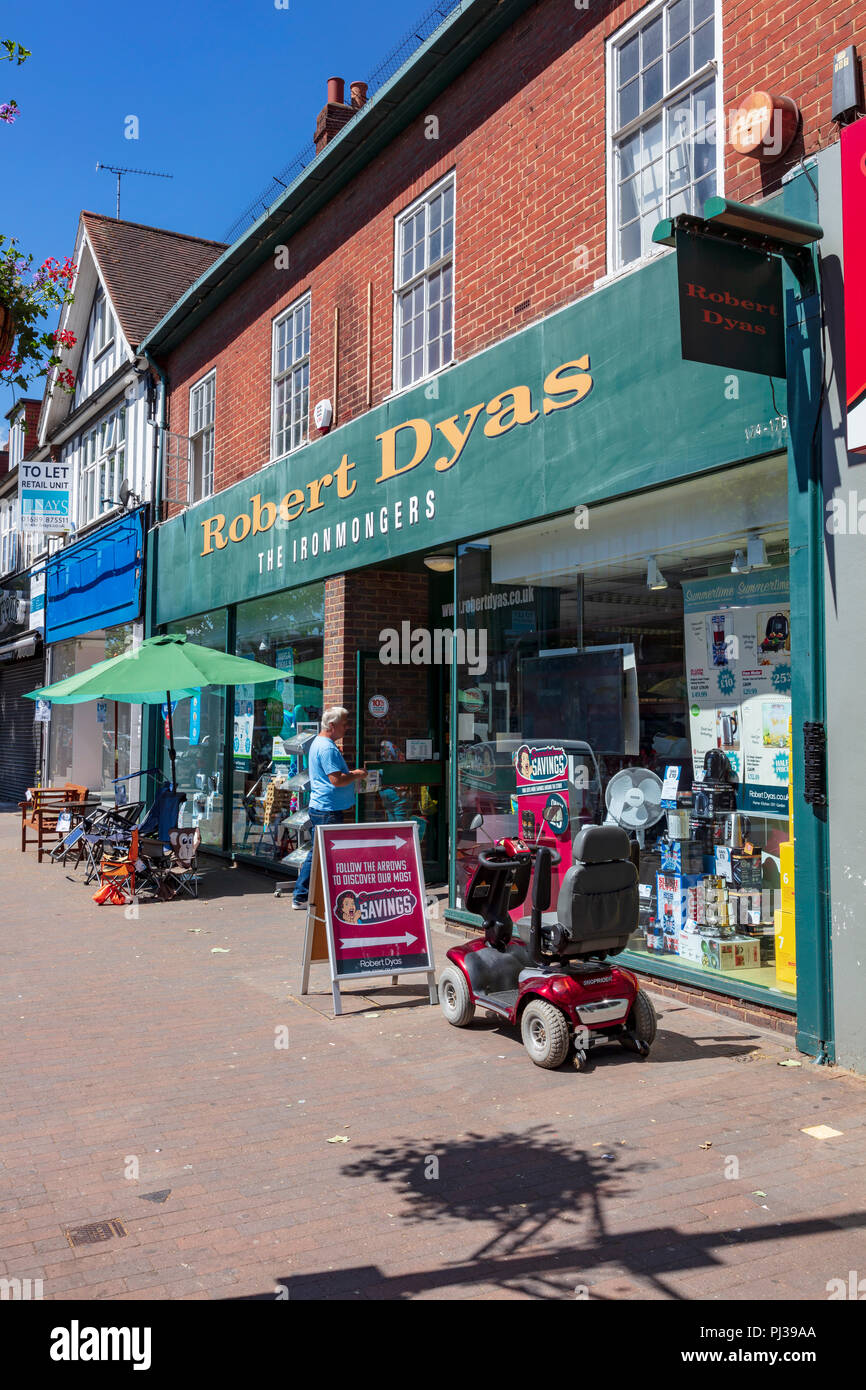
point(332, 716)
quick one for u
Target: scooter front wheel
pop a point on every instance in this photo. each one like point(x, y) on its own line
point(458, 1006)
point(545, 1034)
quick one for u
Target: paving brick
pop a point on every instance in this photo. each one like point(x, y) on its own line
point(525, 1205)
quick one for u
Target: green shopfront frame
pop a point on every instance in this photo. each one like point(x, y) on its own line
point(590, 404)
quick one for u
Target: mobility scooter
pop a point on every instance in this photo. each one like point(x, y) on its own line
point(554, 980)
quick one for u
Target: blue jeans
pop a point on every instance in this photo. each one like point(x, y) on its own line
point(302, 887)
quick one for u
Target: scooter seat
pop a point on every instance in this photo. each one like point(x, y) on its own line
point(598, 904)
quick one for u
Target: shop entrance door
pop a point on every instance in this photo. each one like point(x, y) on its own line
point(400, 719)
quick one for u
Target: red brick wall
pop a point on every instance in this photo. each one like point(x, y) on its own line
point(358, 605)
point(524, 128)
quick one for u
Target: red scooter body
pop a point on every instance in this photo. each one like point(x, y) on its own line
point(553, 980)
point(567, 989)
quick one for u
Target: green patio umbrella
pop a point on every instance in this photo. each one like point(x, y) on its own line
point(159, 668)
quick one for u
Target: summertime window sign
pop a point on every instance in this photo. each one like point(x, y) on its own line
point(730, 305)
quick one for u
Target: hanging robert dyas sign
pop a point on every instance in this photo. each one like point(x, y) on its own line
point(731, 312)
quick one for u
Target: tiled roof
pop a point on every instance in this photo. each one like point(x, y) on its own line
point(146, 268)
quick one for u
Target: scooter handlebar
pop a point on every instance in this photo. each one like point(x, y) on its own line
point(487, 861)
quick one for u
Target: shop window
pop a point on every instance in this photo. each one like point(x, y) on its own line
point(103, 451)
point(664, 680)
point(199, 737)
point(93, 743)
point(664, 118)
point(290, 396)
point(285, 631)
point(201, 429)
point(424, 286)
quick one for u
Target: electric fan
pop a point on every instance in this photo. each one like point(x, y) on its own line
point(633, 800)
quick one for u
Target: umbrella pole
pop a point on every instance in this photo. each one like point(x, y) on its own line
point(171, 752)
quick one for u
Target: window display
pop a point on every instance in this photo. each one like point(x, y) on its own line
point(199, 736)
point(272, 726)
point(650, 692)
point(93, 743)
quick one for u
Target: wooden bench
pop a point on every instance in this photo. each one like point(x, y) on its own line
point(40, 813)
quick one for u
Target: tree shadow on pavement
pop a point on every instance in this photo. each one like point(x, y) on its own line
point(521, 1189)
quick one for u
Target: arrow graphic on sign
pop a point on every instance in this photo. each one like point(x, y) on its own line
point(405, 940)
point(394, 843)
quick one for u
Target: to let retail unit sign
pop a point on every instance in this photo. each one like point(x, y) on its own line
point(731, 312)
point(43, 495)
point(367, 890)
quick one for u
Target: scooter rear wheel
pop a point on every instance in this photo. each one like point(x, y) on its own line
point(545, 1034)
point(458, 1006)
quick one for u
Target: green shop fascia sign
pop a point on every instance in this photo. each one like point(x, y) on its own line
point(590, 403)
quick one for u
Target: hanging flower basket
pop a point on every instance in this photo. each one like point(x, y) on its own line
point(7, 329)
point(26, 300)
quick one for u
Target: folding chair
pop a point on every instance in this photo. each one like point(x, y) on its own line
point(117, 874)
point(106, 830)
point(161, 819)
point(181, 874)
point(173, 874)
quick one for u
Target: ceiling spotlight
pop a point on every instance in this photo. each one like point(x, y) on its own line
point(440, 563)
point(739, 564)
point(757, 554)
point(654, 577)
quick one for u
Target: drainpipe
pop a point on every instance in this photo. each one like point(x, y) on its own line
point(151, 741)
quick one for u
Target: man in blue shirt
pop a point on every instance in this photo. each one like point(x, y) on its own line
point(332, 787)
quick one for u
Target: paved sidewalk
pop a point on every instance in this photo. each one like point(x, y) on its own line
point(141, 1057)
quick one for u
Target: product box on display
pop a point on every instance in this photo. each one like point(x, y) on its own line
point(681, 856)
point(690, 945)
point(744, 907)
point(746, 869)
point(786, 947)
point(731, 953)
point(672, 891)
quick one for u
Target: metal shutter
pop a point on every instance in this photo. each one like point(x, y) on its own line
point(19, 736)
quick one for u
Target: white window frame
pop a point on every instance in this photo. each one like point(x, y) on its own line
point(199, 436)
point(103, 319)
point(285, 377)
point(423, 276)
point(8, 534)
point(102, 465)
point(613, 134)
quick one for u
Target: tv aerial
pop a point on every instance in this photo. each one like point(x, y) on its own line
point(119, 172)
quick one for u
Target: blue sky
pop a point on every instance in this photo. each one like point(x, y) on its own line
point(226, 93)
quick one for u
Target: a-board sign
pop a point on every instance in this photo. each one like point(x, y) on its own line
point(367, 892)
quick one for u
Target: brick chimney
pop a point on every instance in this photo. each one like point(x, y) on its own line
point(333, 115)
point(31, 427)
